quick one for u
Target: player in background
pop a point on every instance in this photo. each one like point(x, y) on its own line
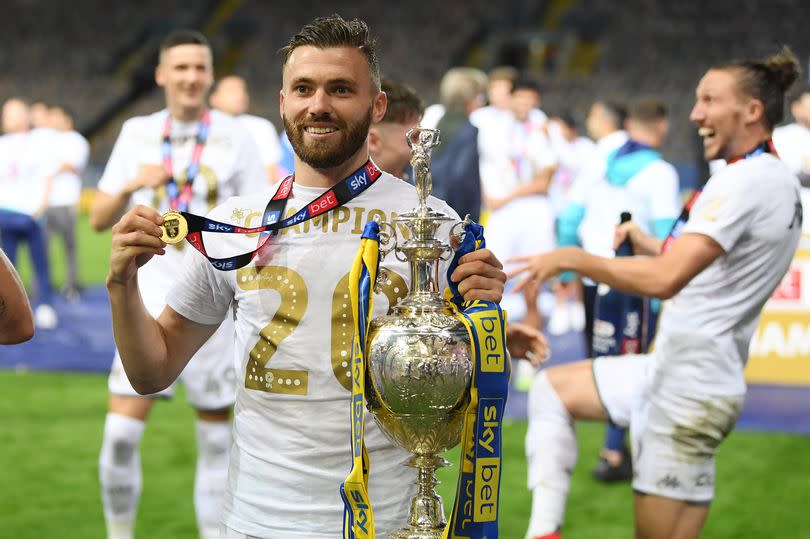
point(637, 180)
point(605, 125)
point(521, 218)
point(719, 267)
point(387, 143)
point(792, 141)
point(63, 190)
point(185, 155)
point(231, 96)
point(573, 151)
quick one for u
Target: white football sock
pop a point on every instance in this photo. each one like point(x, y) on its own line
point(120, 473)
point(213, 449)
point(551, 453)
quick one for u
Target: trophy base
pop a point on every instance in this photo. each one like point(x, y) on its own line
point(426, 519)
point(416, 533)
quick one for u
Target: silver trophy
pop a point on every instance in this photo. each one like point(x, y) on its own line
point(419, 356)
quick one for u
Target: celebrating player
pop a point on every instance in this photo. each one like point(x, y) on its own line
point(717, 269)
point(293, 321)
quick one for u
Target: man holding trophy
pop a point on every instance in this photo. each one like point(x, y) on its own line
point(290, 296)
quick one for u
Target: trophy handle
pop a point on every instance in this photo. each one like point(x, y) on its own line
point(388, 239)
point(457, 233)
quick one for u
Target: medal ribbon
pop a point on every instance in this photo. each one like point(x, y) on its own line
point(358, 517)
point(475, 510)
point(179, 200)
point(340, 194)
point(677, 228)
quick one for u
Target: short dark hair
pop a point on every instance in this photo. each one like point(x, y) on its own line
point(647, 110)
point(334, 31)
point(569, 118)
point(525, 83)
point(767, 80)
point(404, 104)
point(183, 37)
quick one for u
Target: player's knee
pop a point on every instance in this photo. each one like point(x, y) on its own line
point(213, 439)
point(122, 436)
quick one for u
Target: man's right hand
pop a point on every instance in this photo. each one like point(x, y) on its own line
point(135, 240)
point(643, 244)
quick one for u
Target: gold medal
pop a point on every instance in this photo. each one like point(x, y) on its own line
point(175, 227)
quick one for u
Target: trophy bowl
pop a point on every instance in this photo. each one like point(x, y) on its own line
point(419, 378)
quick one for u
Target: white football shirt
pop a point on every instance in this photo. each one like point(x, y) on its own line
point(750, 209)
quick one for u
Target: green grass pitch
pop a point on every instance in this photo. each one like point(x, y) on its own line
point(51, 434)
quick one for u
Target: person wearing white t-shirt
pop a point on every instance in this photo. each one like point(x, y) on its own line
point(574, 152)
point(639, 181)
point(604, 124)
point(200, 158)
point(721, 266)
point(26, 160)
point(230, 95)
point(64, 188)
point(792, 141)
point(291, 427)
point(521, 219)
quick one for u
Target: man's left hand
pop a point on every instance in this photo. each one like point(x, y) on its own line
point(480, 276)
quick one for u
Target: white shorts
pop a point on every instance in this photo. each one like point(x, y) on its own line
point(674, 434)
point(209, 378)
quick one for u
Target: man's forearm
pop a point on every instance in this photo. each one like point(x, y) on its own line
point(140, 339)
point(108, 208)
point(16, 320)
point(645, 244)
point(636, 275)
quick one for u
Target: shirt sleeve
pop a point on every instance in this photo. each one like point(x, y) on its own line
point(201, 294)
point(724, 209)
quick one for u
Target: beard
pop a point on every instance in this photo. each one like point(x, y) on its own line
point(327, 154)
